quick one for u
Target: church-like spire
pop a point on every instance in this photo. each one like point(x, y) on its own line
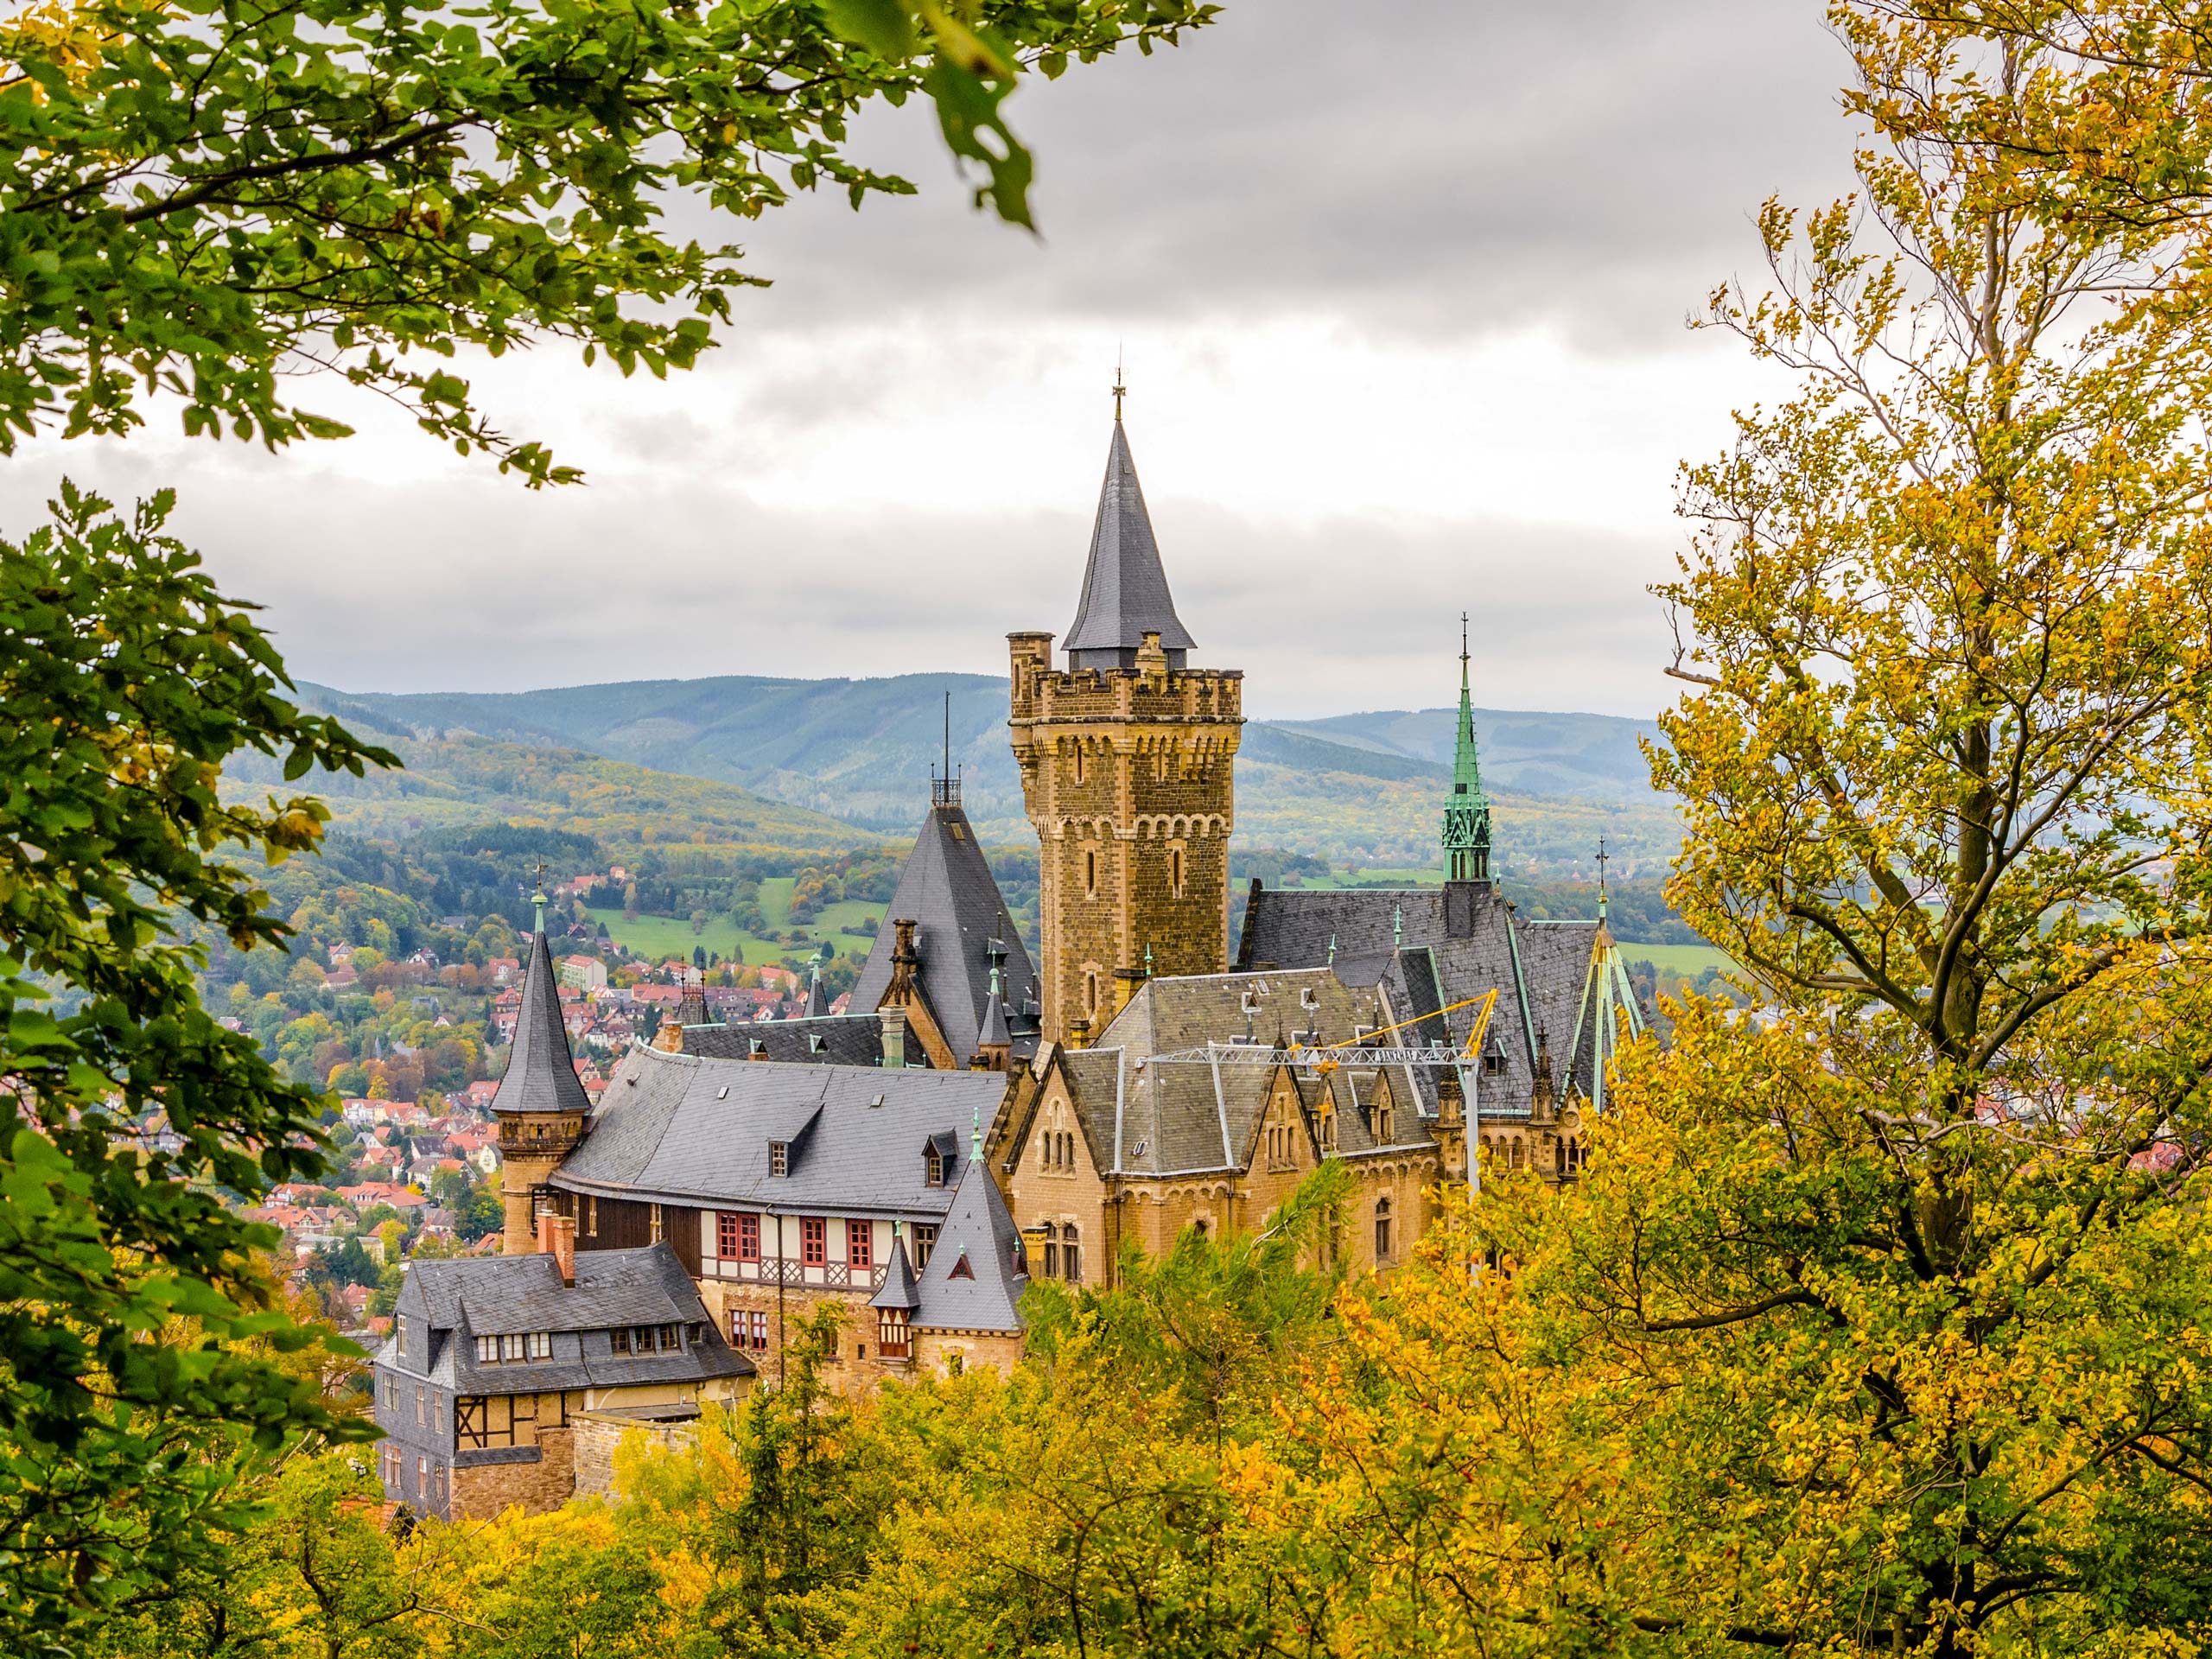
point(541, 1074)
point(1466, 810)
point(1124, 586)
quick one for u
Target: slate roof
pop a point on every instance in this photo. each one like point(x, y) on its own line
point(1459, 941)
point(1158, 1118)
point(897, 1289)
point(977, 1268)
point(541, 1074)
point(680, 1129)
point(843, 1039)
point(1124, 585)
point(456, 1301)
point(947, 890)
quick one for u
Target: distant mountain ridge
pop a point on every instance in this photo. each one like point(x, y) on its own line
point(1348, 787)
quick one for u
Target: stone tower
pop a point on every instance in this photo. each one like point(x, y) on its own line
point(1126, 759)
point(540, 1105)
point(1467, 809)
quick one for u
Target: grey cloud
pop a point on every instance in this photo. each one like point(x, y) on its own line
point(1428, 166)
point(466, 583)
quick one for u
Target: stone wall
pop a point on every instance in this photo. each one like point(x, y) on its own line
point(483, 1491)
point(599, 1434)
point(940, 1353)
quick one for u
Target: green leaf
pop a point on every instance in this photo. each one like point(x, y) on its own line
point(884, 27)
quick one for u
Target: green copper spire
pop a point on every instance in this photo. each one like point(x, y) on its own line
point(538, 898)
point(1466, 811)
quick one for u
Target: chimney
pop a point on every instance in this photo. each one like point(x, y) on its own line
point(557, 1237)
point(895, 1037)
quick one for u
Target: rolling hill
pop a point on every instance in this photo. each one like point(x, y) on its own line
point(465, 779)
point(1357, 788)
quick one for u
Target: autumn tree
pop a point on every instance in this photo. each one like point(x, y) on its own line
point(1878, 1321)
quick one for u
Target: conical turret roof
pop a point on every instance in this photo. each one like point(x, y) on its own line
point(897, 1289)
point(978, 1269)
point(948, 892)
point(1124, 586)
point(541, 1070)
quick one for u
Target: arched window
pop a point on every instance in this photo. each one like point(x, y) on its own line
point(1078, 761)
point(1071, 1254)
point(1090, 994)
point(1517, 1153)
point(1381, 1230)
point(1328, 1131)
point(1382, 1118)
point(1052, 1252)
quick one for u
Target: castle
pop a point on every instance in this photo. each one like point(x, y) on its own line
point(975, 1122)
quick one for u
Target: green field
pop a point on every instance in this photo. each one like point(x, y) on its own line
point(1689, 960)
point(662, 937)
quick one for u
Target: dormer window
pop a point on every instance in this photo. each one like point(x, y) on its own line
point(932, 1166)
point(814, 1043)
point(514, 1348)
point(779, 1157)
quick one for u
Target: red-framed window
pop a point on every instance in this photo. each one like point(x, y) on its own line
point(860, 1244)
point(748, 1328)
point(813, 1241)
point(737, 1236)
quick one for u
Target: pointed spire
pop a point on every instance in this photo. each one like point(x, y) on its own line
point(1124, 586)
point(541, 1074)
point(1467, 809)
point(975, 1133)
point(994, 1033)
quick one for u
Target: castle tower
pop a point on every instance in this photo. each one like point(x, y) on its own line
point(541, 1106)
point(1126, 759)
point(1467, 809)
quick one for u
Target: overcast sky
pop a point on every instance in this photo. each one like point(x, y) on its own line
point(1400, 288)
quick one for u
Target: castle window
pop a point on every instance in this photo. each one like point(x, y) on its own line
point(1091, 872)
point(748, 1328)
point(1052, 1252)
point(925, 1242)
point(813, 1241)
point(932, 1166)
point(1328, 1131)
point(779, 1157)
point(1078, 761)
point(1175, 870)
point(860, 1244)
point(1382, 1118)
point(737, 1236)
point(591, 1217)
point(1381, 1230)
point(1090, 994)
point(1071, 1254)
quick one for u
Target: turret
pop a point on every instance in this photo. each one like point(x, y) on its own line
point(1127, 763)
point(541, 1106)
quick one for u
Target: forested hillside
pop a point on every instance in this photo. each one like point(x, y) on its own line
point(1354, 789)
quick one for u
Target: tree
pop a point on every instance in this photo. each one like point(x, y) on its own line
point(199, 198)
point(314, 1577)
point(126, 680)
point(1877, 1323)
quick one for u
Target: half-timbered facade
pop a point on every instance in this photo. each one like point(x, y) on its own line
point(493, 1359)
